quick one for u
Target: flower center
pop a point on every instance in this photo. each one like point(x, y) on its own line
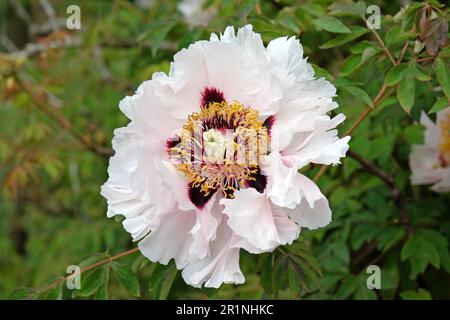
point(219, 148)
point(215, 145)
point(445, 141)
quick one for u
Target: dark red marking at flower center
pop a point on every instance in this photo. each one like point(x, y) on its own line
point(268, 123)
point(259, 183)
point(198, 198)
point(172, 142)
point(210, 95)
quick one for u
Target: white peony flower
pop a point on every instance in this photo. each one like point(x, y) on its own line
point(194, 13)
point(209, 161)
point(430, 162)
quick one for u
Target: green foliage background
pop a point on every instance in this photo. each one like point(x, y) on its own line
point(59, 107)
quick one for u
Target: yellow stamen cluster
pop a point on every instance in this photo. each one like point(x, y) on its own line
point(228, 128)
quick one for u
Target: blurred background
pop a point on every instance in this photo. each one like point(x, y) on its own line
point(60, 86)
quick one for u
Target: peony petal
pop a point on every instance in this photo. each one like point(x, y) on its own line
point(253, 217)
point(171, 239)
point(221, 266)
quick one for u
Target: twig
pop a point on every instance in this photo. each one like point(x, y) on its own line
point(373, 169)
point(33, 49)
point(399, 200)
point(383, 45)
point(90, 267)
point(40, 101)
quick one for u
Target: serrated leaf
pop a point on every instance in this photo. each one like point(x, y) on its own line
point(439, 105)
point(440, 243)
point(356, 32)
point(330, 24)
point(420, 252)
point(442, 75)
point(389, 237)
point(126, 277)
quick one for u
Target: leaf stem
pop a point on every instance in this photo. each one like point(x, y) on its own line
point(89, 267)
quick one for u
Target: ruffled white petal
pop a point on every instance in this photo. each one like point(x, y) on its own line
point(221, 266)
point(204, 231)
point(171, 239)
point(309, 217)
point(287, 188)
point(253, 217)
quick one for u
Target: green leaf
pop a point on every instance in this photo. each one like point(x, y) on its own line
point(420, 252)
point(330, 24)
point(363, 45)
point(420, 294)
point(357, 9)
point(91, 282)
point(396, 35)
point(359, 94)
point(354, 62)
point(22, 293)
point(126, 277)
point(157, 34)
point(389, 237)
point(421, 74)
point(443, 75)
point(347, 287)
point(293, 283)
point(363, 233)
point(395, 74)
point(161, 281)
point(102, 292)
point(439, 105)
point(322, 73)
point(445, 52)
point(362, 292)
point(167, 283)
point(351, 64)
point(313, 8)
point(51, 294)
point(406, 89)
point(440, 243)
point(356, 32)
